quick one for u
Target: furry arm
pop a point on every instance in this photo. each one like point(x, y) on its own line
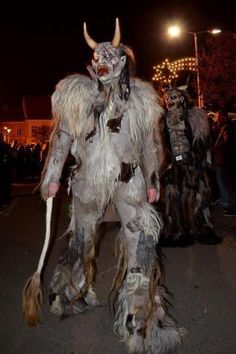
point(148, 118)
point(67, 106)
point(60, 145)
point(150, 163)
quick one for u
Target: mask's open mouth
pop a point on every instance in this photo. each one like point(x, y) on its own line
point(169, 104)
point(102, 70)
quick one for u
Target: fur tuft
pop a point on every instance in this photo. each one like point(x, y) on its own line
point(144, 323)
point(163, 339)
point(32, 300)
point(158, 340)
point(199, 124)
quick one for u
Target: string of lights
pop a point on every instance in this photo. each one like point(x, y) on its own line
point(168, 71)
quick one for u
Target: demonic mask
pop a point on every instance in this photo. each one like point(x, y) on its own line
point(174, 98)
point(108, 58)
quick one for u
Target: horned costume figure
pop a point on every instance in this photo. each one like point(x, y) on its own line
point(185, 182)
point(108, 123)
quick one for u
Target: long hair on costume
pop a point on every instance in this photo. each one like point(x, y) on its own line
point(32, 300)
point(89, 259)
point(120, 274)
point(33, 290)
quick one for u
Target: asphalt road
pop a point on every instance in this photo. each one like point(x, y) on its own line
point(201, 278)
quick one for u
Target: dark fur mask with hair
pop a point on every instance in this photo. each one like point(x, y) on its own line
point(177, 97)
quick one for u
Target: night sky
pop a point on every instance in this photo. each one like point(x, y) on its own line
point(42, 46)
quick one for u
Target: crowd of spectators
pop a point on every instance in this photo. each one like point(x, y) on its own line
point(223, 169)
point(19, 164)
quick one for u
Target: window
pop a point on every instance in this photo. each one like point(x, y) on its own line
point(18, 132)
point(34, 130)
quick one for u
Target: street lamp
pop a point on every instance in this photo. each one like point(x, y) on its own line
point(175, 31)
point(5, 133)
point(8, 133)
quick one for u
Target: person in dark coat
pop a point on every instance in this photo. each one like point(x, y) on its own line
point(5, 172)
point(223, 151)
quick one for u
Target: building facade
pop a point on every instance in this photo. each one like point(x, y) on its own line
point(29, 124)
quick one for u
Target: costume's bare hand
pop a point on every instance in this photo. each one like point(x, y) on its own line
point(53, 189)
point(153, 195)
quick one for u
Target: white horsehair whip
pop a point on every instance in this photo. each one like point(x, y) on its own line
point(47, 234)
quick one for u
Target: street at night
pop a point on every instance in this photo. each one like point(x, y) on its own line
point(118, 108)
point(201, 278)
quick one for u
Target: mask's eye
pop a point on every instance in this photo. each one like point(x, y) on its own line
point(95, 57)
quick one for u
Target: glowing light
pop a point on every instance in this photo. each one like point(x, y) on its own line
point(174, 31)
point(215, 31)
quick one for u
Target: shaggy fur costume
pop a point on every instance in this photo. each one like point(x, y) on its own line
point(109, 123)
point(186, 186)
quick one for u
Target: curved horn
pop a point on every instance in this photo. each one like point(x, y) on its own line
point(116, 40)
point(92, 44)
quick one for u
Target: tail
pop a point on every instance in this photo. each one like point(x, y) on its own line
point(33, 290)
